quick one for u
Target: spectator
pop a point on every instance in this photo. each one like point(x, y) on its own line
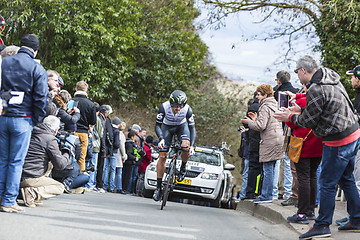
point(25, 109)
point(110, 162)
point(130, 148)
point(306, 169)
point(87, 118)
point(36, 183)
point(68, 117)
point(139, 141)
point(355, 82)
point(53, 83)
point(9, 51)
point(145, 161)
point(329, 113)
point(285, 170)
point(97, 133)
point(254, 165)
point(106, 144)
point(271, 139)
point(121, 158)
point(245, 159)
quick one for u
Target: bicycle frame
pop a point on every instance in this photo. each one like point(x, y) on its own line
point(170, 181)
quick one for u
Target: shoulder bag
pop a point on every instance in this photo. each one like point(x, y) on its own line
point(295, 147)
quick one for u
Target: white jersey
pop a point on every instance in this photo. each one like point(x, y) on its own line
point(167, 117)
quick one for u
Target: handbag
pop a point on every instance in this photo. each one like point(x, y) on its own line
point(295, 147)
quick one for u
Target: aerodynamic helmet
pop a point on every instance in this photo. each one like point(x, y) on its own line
point(178, 97)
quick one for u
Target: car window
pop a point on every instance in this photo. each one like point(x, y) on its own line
point(211, 158)
point(207, 158)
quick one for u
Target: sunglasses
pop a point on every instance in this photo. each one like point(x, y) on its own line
point(296, 70)
point(174, 105)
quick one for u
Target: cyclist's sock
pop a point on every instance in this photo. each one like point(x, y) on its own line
point(183, 165)
point(159, 182)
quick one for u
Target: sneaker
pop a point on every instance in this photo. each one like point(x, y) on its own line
point(298, 218)
point(350, 227)
point(260, 200)
point(157, 194)
point(181, 175)
point(320, 231)
point(311, 215)
point(28, 197)
point(67, 188)
point(12, 209)
point(290, 201)
point(101, 190)
point(342, 222)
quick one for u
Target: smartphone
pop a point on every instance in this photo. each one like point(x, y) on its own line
point(283, 100)
point(72, 104)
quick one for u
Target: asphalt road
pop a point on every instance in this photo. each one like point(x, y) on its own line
point(115, 216)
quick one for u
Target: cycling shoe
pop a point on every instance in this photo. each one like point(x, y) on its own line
point(181, 176)
point(157, 194)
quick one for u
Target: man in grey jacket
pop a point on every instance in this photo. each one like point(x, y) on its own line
point(43, 154)
point(330, 114)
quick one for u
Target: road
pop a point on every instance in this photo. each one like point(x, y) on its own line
point(115, 216)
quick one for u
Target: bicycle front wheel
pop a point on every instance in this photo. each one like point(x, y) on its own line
point(168, 183)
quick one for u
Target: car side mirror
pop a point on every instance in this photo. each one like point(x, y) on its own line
point(229, 167)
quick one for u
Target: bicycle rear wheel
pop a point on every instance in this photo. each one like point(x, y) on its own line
point(168, 183)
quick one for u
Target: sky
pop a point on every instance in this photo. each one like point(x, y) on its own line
point(249, 61)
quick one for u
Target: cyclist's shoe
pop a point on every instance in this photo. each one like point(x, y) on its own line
point(157, 194)
point(181, 175)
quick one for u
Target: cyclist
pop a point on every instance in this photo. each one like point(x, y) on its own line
point(174, 117)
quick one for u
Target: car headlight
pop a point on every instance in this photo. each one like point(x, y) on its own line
point(210, 176)
point(152, 168)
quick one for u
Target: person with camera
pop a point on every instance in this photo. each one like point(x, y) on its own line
point(27, 81)
point(44, 154)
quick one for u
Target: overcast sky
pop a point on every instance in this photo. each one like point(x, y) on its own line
point(241, 60)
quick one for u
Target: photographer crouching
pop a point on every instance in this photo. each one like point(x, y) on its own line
point(43, 154)
point(71, 177)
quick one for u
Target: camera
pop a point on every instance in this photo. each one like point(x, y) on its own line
point(5, 96)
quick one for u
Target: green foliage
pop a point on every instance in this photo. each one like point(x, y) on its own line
point(338, 30)
point(126, 50)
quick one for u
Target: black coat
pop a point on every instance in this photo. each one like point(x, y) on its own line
point(252, 135)
point(285, 87)
point(87, 113)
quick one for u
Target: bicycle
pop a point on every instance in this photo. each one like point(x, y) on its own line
point(170, 181)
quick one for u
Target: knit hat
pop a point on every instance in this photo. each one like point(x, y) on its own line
point(135, 127)
point(116, 121)
point(31, 41)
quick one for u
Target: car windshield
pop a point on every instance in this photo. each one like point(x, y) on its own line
point(211, 158)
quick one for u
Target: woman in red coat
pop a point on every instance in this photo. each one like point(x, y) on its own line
point(306, 168)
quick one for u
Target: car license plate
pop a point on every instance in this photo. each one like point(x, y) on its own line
point(185, 182)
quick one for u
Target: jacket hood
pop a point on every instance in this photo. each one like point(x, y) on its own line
point(329, 77)
point(270, 102)
point(42, 128)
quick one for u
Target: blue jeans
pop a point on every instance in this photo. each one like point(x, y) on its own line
point(276, 179)
point(93, 163)
point(79, 181)
point(244, 179)
point(288, 178)
point(131, 187)
point(15, 134)
point(268, 181)
point(337, 168)
point(118, 178)
point(318, 185)
point(109, 162)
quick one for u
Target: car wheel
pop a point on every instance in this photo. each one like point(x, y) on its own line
point(217, 201)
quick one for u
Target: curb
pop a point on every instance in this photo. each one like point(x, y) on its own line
point(273, 213)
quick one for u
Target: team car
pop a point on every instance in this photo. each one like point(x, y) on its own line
point(208, 177)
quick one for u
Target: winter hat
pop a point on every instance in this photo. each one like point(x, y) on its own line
point(135, 127)
point(116, 121)
point(30, 40)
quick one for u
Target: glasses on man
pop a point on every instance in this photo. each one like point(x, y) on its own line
point(296, 70)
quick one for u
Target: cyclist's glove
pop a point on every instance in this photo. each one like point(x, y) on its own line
point(191, 151)
point(161, 144)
